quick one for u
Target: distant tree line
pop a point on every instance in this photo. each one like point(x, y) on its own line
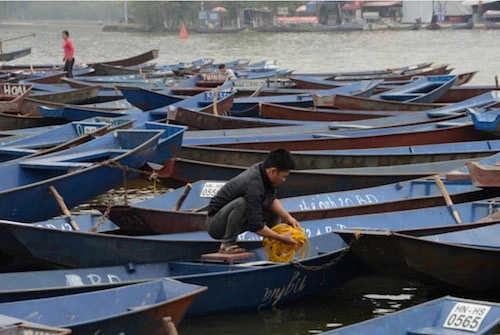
point(171, 14)
point(159, 15)
point(61, 10)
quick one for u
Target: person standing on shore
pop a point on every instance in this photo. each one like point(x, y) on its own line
point(69, 53)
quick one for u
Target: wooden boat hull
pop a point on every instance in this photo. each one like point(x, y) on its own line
point(12, 97)
point(147, 100)
point(432, 316)
point(217, 277)
point(138, 308)
point(8, 56)
point(346, 159)
point(30, 104)
point(179, 171)
point(484, 175)
point(10, 121)
point(359, 103)
point(473, 267)
point(460, 93)
point(440, 135)
point(10, 325)
point(420, 252)
point(24, 248)
point(135, 60)
point(157, 215)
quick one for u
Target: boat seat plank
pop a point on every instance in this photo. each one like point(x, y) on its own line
point(228, 258)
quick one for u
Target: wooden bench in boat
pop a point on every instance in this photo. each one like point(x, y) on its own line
point(226, 258)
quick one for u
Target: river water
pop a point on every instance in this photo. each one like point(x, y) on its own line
point(464, 50)
point(364, 297)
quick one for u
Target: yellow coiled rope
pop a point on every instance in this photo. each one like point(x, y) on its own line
point(282, 253)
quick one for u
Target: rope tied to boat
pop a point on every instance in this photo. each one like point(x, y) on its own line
point(334, 261)
point(280, 252)
point(152, 175)
point(101, 220)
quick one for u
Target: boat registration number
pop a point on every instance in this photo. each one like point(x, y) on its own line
point(466, 316)
point(210, 189)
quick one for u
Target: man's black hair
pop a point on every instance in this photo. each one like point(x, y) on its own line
point(66, 32)
point(280, 159)
point(221, 66)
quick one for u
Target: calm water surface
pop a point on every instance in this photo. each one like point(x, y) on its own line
point(364, 297)
point(464, 50)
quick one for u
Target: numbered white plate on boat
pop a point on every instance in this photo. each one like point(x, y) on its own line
point(210, 189)
point(466, 316)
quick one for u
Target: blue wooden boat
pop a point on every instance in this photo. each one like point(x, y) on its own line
point(260, 283)
point(70, 113)
point(439, 316)
point(465, 255)
point(71, 169)
point(8, 56)
point(424, 89)
point(196, 119)
point(179, 171)
point(159, 215)
point(10, 325)
point(488, 122)
point(325, 159)
point(136, 309)
point(458, 130)
point(58, 138)
point(12, 96)
point(24, 247)
point(210, 102)
point(467, 258)
point(484, 100)
point(249, 106)
point(146, 99)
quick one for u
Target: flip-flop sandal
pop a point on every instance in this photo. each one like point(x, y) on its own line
point(231, 249)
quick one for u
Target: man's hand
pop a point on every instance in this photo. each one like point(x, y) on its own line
point(293, 222)
point(287, 238)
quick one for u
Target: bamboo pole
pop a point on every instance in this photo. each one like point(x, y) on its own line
point(64, 208)
point(216, 95)
point(447, 198)
point(182, 197)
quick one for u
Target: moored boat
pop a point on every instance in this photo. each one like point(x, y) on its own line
point(438, 316)
point(134, 308)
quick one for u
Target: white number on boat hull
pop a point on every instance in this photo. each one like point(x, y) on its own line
point(466, 316)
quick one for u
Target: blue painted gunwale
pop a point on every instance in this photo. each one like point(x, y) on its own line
point(425, 318)
point(136, 309)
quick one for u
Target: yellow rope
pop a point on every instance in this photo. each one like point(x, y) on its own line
point(282, 253)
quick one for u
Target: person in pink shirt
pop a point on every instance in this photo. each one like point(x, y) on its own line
point(69, 53)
